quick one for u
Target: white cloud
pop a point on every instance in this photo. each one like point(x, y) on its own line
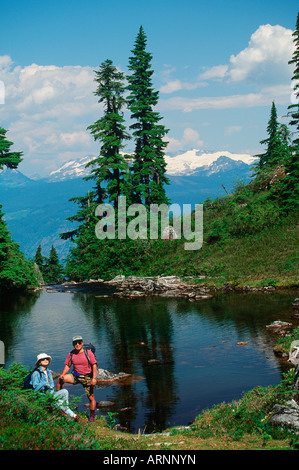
point(171, 86)
point(190, 139)
point(175, 85)
point(38, 86)
point(5, 60)
point(48, 109)
point(262, 65)
point(47, 91)
point(281, 94)
point(75, 138)
point(264, 60)
point(218, 71)
point(266, 57)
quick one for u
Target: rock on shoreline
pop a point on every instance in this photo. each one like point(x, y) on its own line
point(133, 286)
point(166, 286)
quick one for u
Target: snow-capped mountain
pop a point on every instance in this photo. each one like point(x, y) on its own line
point(191, 161)
point(184, 164)
point(71, 169)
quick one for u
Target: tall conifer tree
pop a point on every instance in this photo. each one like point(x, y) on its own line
point(111, 166)
point(110, 169)
point(294, 108)
point(149, 165)
point(289, 186)
point(38, 258)
point(52, 270)
point(277, 150)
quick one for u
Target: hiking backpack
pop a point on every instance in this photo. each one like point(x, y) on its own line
point(27, 385)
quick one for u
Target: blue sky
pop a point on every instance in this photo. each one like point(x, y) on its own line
point(218, 66)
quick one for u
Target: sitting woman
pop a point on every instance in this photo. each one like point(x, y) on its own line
point(42, 380)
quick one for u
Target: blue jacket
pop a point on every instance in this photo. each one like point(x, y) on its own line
point(39, 380)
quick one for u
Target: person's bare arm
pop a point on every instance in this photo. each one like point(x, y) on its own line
point(94, 374)
point(65, 371)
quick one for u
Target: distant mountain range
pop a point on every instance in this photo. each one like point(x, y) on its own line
point(182, 164)
point(36, 209)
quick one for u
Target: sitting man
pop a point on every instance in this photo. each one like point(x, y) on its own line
point(84, 371)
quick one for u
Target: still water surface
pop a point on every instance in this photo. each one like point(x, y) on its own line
point(200, 363)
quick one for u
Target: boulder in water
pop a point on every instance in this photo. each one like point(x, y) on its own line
point(106, 378)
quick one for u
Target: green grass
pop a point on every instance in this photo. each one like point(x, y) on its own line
point(283, 344)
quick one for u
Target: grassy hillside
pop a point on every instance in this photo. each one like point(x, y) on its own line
point(249, 239)
point(268, 257)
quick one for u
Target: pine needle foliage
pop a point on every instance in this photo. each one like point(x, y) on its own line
point(149, 165)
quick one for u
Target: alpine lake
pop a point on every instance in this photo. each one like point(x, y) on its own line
point(186, 355)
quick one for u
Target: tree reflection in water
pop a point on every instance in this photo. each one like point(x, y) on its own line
point(140, 337)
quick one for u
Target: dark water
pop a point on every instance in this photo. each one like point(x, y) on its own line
point(195, 342)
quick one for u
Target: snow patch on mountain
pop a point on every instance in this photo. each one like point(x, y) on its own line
point(184, 164)
point(189, 162)
point(71, 169)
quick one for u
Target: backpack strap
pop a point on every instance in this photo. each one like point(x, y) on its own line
point(71, 357)
point(86, 354)
point(87, 357)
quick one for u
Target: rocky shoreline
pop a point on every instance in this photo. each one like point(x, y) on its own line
point(165, 286)
point(133, 286)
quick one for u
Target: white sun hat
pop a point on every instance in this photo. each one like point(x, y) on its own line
point(42, 356)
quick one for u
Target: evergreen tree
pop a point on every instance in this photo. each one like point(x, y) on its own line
point(277, 149)
point(294, 108)
point(111, 166)
point(52, 270)
point(149, 165)
point(288, 189)
point(38, 258)
point(110, 169)
point(85, 214)
point(16, 273)
point(7, 157)
point(286, 140)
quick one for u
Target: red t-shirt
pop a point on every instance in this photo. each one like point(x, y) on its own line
point(80, 362)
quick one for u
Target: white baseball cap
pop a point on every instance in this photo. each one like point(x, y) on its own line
point(77, 338)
